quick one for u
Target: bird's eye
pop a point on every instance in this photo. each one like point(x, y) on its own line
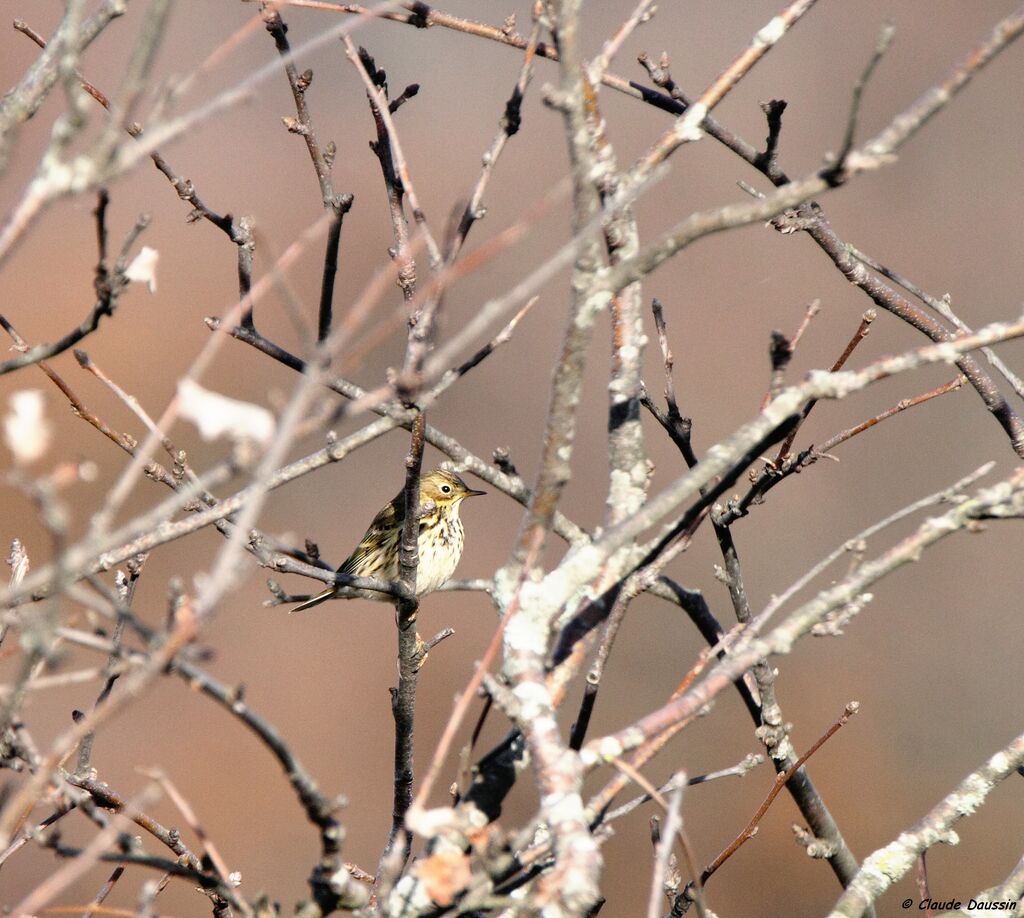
point(446, 489)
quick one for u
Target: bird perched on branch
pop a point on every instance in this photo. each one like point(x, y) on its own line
point(441, 539)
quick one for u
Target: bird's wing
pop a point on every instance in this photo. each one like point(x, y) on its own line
point(392, 515)
point(389, 518)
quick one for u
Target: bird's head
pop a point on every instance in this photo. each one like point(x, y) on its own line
point(445, 489)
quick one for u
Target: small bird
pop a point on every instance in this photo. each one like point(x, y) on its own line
point(440, 540)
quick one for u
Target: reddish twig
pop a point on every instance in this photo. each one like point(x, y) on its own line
point(902, 405)
point(779, 783)
point(859, 335)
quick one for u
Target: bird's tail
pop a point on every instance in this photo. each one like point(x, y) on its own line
point(313, 601)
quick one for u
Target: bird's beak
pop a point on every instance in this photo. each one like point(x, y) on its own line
point(471, 493)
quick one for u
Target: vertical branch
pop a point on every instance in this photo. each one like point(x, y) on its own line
point(772, 729)
point(410, 658)
point(765, 711)
point(19, 564)
point(508, 127)
point(303, 123)
point(397, 180)
point(630, 468)
point(323, 162)
point(326, 312)
point(409, 552)
point(560, 429)
point(571, 885)
point(859, 335)
point(126, 585)
point(241, 233)
point(662, 853)
point(376, 86)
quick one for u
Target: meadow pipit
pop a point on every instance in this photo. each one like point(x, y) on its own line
point(440, 540)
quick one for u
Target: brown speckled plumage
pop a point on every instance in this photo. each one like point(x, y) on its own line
point(441, 539)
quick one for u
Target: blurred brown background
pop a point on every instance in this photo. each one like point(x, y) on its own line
point(934, 660)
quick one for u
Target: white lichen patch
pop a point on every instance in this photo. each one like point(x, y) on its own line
point(625, 491)
point(892, 861)
point(534, 700)
point(562, 807)
point(771, 32)
point(972, 795)
point(608, 747)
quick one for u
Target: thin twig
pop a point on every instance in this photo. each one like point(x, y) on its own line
point(882, 44)
point(943, 308)
point(780, 782)
point(673, 823)
point(902, 405)
point(859, 335)
point(401, 166)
